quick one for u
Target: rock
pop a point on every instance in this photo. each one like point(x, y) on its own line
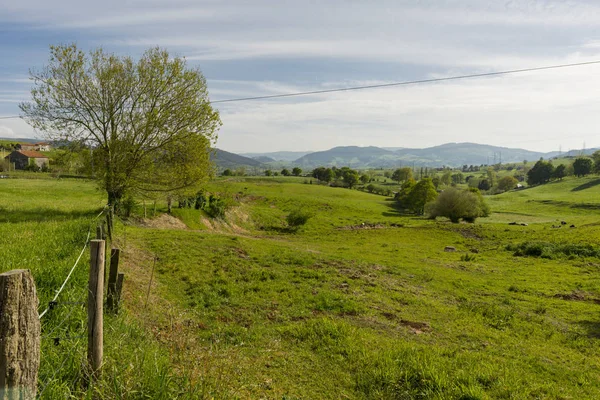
point(449, 248)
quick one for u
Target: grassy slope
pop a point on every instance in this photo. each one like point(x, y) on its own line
point(43, 227)
point(247, 310)
point(370, 313)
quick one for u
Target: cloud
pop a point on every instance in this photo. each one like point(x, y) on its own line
point(536, 111)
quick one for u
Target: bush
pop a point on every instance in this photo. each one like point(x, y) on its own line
point(455, 204)
point(126, 206)
point(216, 207)
point(297, 218)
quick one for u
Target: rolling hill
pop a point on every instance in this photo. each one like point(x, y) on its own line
point(225, 159)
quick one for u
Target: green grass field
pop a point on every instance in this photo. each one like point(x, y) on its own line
point(360, 303)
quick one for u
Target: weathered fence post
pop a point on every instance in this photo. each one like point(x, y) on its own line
point(19, 335)
point(95, 309)
point(111, 299)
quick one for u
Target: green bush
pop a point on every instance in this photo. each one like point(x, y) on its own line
point(456, 204)
point(216, 207)
point(297, 218)
point(553, 250)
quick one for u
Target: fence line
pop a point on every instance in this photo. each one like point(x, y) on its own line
point(87, 241)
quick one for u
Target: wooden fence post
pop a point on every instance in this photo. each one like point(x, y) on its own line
point(111, 299)
point(95, 308)
point(19, 335)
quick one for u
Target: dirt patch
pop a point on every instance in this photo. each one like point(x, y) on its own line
point(367, 225)
point(577, 295)
point(415, 326)
point(163, 221)
point(469, 233)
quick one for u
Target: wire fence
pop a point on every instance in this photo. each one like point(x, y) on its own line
point(57, 335)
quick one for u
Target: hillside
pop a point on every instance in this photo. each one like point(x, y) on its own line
point(363, 302)
point(278, 155)
point(351, 156)
point(449, 155)
point(225, 159)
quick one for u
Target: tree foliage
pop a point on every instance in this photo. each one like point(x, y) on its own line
point(323, 174)
point(540, 173)
point(559, 172)
point(582, 166)
point(456, 204)
point(402, 174)
point(149, 121)
point(297, 171)
point(507, 183)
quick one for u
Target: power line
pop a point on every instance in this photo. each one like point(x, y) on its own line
point(403, 83)
point(413, 82)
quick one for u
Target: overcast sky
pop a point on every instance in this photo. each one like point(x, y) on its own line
point(263, 47)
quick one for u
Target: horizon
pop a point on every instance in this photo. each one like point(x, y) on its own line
point(273, 49)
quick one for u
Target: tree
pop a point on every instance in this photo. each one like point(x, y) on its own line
point(540, 173)
point(268, 172)
point(507, 183)
point(149, 121)
point(458, 178)
point(402, 174)
point(323, 174)
point(484, 184)
point(455, 204)
point(582, 166)
point(350, 177)
point(422, 193)
point(285, 172)
point(596, 158)
point(446, 178)
point(559, 172)
point(364, 179)
point(297, 171)
point(227, 172)
point(402, 197)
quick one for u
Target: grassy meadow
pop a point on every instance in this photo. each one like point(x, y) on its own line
point(363, 302)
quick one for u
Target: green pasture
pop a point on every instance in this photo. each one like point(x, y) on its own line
point(363, 302)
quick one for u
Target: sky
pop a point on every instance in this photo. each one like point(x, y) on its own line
point(267, 47)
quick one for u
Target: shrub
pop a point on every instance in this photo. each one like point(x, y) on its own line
point(455, 204)
point(216, 207)
point(125, 206)
point(297, 218)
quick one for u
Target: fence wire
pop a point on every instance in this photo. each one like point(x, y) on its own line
point(87, 241)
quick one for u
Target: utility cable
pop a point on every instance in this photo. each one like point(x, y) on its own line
point(403, 83)
point(412, 82)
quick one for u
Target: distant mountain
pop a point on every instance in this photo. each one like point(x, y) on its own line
point(264, 159)
point(278, 155)
point(225, 159)
point(457, 154)
point(351, 156)
point(449, 155)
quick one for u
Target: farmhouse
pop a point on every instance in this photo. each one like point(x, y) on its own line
point(26, 146)
point(22, 158)
point(43, 146)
